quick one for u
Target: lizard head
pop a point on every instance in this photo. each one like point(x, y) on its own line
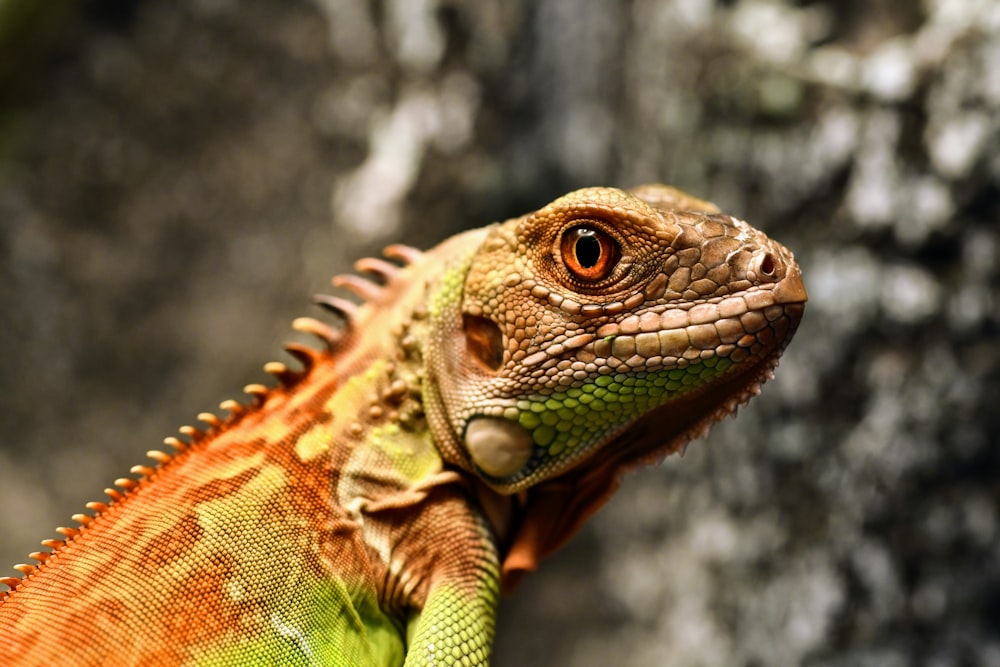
point(606, 328)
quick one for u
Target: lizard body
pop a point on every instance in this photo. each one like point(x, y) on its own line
point(477, 408)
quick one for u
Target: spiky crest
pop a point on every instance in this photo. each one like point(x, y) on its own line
point(307, 356)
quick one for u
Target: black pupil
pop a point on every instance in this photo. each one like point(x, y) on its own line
point(588, 248)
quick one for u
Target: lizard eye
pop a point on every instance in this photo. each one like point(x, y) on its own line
point(590, 254)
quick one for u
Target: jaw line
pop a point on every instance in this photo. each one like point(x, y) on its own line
point(671, 427)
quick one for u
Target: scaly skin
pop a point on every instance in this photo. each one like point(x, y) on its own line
point(472, 414)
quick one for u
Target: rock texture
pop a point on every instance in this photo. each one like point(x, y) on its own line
point(177, 177)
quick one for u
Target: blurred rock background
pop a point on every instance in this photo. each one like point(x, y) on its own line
point(177, 177)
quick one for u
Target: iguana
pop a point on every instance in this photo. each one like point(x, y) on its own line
point(463, 423)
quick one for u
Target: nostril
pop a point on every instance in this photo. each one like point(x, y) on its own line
point(764, 267)
point(767, 265)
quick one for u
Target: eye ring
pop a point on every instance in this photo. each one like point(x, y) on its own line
point(589, 253)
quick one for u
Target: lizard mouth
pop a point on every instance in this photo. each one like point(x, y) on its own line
point(672, 373)
point(670, 428)
point(757, 339)
point(536, 521)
